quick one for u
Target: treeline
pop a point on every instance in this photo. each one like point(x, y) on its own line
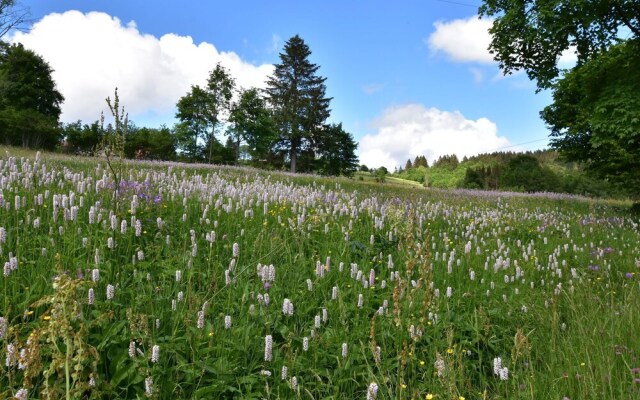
point(538, 171)
point(282, 127)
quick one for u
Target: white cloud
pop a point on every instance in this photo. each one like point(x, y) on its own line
point(93, 53)
point(568, 58)
point(463, 40)
point(410, 130)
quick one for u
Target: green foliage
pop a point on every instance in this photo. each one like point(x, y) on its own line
point(524, 173)
point(29, 100)
point(595, 117)
point(336, 152)
point(297, 97)
point(420, 161)
point(201, 111)
point(449, 162)
point(81, 139)
point(532, 34)
point(253, 124)
point(150, 144)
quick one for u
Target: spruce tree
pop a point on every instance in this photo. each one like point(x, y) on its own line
point(297, 96)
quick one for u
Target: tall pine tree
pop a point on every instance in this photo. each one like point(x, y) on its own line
point(297, 96)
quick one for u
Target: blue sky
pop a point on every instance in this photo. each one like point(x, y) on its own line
point(406, 77)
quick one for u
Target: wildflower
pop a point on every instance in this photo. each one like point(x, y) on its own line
point(429, 396)
point(21, 394)
point(344, 350)
point(372, 392)
point(294, 383)
point(439, 365)
point(236, 250)
point(334, 293)
point(110, 291)
point(148, 386)
point(3, 327)
point(132, 349)
point(178, 275)
point(287, 307)
point(449, 291)
point(284, 373)
point(264, 372)
point(360, 300)
point(95, 275)
point(155, 353)
point(138, 227)
point(200, 323)
point(268, 348)
point(227, 322)
point(497, 365)
point(305, 343)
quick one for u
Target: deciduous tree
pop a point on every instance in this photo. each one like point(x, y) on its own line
point(29, 100)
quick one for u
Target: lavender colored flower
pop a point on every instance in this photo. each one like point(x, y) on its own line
point(21, 394)
point(372, 391)
point(305, 344)
point(236, 250)
point(110, 291)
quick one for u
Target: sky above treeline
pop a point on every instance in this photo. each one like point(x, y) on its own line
point(407, 78)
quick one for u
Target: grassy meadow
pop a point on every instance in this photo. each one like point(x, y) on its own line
point(173, 281)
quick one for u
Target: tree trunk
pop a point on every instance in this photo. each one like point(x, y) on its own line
point(293, 154)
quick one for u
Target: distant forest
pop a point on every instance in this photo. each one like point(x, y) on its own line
point(537, 171)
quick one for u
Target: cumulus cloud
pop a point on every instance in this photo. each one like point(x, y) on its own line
point(463, 40)
point(410, 130)
point(93, 53)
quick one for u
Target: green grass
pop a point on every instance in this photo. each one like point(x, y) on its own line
point(555, 288)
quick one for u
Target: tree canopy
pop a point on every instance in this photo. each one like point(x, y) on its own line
point(595, 114)
point(531, 35)
point(29, 100)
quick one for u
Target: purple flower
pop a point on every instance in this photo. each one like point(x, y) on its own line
point(594, 267)
point(628, 275)
point(267, 286)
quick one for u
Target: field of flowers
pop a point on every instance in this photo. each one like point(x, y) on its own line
point(192, 282)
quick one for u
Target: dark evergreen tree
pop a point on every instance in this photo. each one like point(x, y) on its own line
point(29, 100)
point(408, 165)
point(336, 152)
point(297, 97)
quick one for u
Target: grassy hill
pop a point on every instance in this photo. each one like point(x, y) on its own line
point(526, 172)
